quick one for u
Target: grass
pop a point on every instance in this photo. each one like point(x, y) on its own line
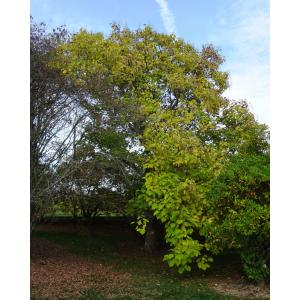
point(59, 211)
point(122, 250)
point(168, 293)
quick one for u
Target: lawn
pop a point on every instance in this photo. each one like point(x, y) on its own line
point(107, 261)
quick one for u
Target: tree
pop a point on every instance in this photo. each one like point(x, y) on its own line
point(131, 75)
point(166, 97)
point(100, 174)
point(52, 117)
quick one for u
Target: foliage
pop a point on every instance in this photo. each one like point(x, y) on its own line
point(238, 213)
point(162, 91)
point(160, 131)
point(140, 224)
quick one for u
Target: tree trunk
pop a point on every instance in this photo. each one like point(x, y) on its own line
point(154, 237)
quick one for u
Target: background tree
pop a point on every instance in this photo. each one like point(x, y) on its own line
point(101, 174)
point(54, 114)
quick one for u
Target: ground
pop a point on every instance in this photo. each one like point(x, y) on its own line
point(107, 261)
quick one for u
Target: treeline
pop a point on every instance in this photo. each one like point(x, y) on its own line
point(136, 123)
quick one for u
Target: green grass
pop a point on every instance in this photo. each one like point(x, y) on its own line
point(122, 250)
point(59, 211)
point(167, 292)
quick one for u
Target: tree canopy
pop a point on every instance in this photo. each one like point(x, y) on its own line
point(161, 134)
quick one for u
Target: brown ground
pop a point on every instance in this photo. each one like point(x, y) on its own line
point(55, 273)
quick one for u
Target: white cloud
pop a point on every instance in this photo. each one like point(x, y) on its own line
point(167, 16)
point(246, 34)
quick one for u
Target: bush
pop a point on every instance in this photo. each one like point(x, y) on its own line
point(238, 213)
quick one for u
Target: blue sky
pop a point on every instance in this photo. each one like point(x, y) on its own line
point(239, 28)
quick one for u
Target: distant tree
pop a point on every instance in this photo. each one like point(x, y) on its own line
point(100, 174)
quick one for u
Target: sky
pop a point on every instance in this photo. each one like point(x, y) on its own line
point(238, 28)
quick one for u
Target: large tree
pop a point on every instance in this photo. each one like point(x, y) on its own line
point(167, 99)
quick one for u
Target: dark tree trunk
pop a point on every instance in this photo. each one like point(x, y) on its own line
point(154, 237)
